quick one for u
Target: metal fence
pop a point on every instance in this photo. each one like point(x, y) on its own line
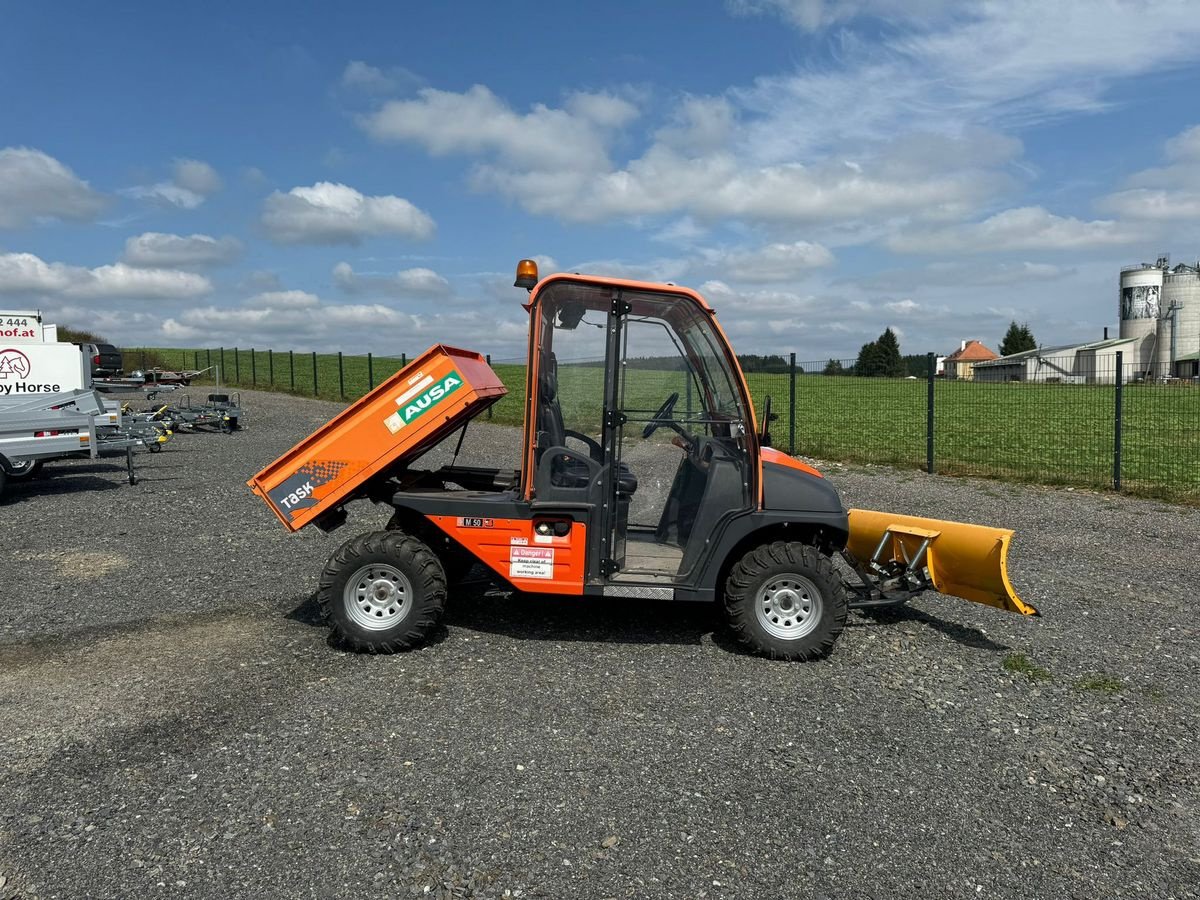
point(1066, 420)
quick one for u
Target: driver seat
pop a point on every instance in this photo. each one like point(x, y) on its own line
point(552, 432)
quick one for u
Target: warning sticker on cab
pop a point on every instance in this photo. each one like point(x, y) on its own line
point(530, 562)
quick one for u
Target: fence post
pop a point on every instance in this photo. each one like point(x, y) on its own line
point(792, 406)
point(1118, 411)
point(403, 360)
point(314, 373)
point(341, 378)
point(237, 365)
point(931, 360)
point(488, 357)
point(253, 368)
point(370, 373)
point(271, 366)
point(143, 359)
point(292, 368)
point(207, 358)
point(222, 366)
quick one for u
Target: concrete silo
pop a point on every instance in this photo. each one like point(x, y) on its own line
point(1139, 308)
point(1178, 345)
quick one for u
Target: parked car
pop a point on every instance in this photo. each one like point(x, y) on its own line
point(106, 359)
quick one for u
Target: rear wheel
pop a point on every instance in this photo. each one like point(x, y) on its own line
point(784, 600)
point(382, 592)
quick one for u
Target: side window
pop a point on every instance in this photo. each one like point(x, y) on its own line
point(570, 403)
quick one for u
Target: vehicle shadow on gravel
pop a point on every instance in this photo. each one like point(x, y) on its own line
point(476, 607)
point(72, 482)
point(966, 635)
point(483, 608)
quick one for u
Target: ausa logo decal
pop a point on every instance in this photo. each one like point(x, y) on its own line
point(415, 404)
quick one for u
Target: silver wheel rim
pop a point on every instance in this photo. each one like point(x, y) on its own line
point(788, 607)
point(377, 597)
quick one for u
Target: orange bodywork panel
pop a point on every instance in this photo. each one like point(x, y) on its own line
point(402, 418)
point(542, 564)
point(771, 455)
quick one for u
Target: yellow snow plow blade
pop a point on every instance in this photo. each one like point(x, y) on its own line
point(968, 561)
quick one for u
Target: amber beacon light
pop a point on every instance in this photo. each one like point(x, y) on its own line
point(527, 274)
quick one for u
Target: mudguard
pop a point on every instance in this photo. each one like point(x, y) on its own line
point(967, 561)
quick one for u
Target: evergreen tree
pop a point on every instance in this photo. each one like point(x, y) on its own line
point(916, 364)
point(889, 352)
point(834, 367)
point(871, 362)
point(1017, 339)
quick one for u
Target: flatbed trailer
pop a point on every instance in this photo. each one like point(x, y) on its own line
point(65, 425)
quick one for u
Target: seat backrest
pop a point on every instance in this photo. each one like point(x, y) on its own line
point(551, 430)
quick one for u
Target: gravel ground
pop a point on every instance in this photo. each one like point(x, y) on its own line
point(174, 722)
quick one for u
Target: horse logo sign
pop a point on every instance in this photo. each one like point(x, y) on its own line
point(13, 362)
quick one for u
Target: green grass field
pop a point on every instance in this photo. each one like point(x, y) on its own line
point(1047, 433)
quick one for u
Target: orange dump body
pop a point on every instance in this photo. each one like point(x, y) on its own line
point(402, 418)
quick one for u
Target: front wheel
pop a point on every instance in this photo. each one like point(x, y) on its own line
point(382, 592)
point(786, 601)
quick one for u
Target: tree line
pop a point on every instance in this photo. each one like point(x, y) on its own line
point(881, 358)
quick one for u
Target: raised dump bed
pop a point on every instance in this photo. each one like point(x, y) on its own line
point(412, 411)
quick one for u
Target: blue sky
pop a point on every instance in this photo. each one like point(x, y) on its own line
point(365, 176)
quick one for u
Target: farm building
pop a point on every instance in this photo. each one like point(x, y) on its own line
point(961, 363)
point(1158, 308)
point(1094, 363)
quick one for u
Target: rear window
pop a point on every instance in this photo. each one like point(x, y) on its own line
point(106, 348)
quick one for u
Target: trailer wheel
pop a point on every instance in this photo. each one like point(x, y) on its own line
point(23, 469)
point(785, 601)
point(382, 592)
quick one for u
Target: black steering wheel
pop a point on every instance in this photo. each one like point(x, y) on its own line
point(663, 417)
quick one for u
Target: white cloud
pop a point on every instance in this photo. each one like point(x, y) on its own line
point(478, 122)
point(405, 283)
point(1169, 193)
point(960, 274)
point(812, 15)
point(192, 182)
point(29, 275)
point(302, 320)
point(24, 273)
point(328, 213)
point(360, 76)
point(284, 300)
point(197, 176)
point(120, 280)
point(155, 249)
point(35, 186)
point(901, 125)
point(905, 307)
point(555, 162)
point(773, 262)
point(1026, 228)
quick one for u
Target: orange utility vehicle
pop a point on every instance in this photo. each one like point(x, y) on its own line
point(591, 509)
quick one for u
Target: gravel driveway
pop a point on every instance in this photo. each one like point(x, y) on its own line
point(174, 722)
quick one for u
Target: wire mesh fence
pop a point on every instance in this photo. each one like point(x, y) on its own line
point(1055, 420)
